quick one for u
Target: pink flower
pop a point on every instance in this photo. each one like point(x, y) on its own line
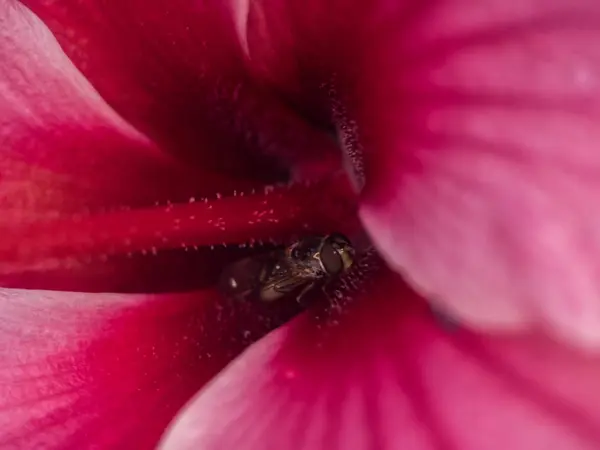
point(469, 130)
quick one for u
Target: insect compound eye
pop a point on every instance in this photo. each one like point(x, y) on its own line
point(331, 259)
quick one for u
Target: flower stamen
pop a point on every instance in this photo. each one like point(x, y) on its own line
point(272, 215)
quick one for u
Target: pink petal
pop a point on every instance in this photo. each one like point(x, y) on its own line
point(484, 161)
point(387, 376)
point(105, 371)
point(474, 127)
point(63, 148)
point(175, 71)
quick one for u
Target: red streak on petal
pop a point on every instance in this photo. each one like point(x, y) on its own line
point(274, 214)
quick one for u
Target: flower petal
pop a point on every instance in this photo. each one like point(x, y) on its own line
point(63, 148)
point(175, 71)
point(387, 376)
point(481, 179)
point(473, 130)
point(109, 371)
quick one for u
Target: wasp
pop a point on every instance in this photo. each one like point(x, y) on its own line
point(292, 269)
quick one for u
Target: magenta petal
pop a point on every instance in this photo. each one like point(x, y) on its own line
point(482, 140)
point(387, 376)
point(64, 150)
point(105, 371)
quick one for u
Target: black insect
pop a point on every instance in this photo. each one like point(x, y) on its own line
point(293, 269)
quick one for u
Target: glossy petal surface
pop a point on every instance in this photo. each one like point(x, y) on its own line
point(389, 375)
point(110, 371)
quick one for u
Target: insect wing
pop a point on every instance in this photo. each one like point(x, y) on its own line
point(282, 284)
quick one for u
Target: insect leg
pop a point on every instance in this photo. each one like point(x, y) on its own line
point(303, 292)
